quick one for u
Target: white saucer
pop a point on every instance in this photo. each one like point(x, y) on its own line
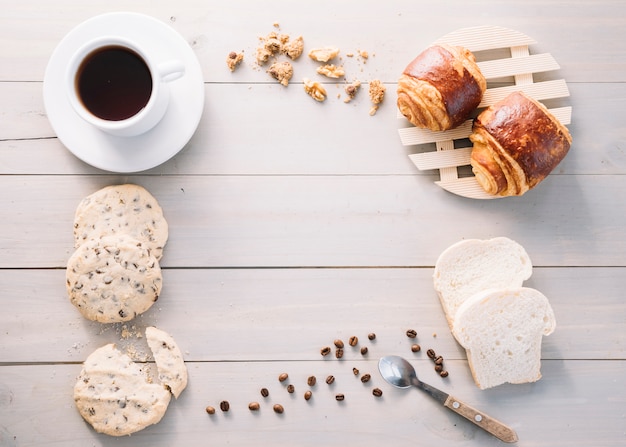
point(126, 154)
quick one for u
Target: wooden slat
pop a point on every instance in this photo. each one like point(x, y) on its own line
point(539, 91)
point(482, 38)
point(535, 63)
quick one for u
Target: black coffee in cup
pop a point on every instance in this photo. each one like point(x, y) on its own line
point(114, 83)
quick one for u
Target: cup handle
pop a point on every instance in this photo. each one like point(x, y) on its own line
point(171, 70)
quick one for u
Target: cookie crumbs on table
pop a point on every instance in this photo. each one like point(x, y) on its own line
point(351, 90)
point(233, 60)
point(282, 72)
point(377, 95)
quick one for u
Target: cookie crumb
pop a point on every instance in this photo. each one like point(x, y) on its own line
point(293, 48)
point(377, 94)
point(351, 90)
point(364, 54)
point(233, 60)
point(282, 72)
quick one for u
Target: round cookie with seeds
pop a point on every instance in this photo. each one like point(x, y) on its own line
point(116, 209)
point(113, 279)
point(113, 394)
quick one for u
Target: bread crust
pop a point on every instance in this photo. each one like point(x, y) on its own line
point(518, 135)
point(443, 81)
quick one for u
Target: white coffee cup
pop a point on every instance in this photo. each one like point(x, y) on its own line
point(118, 86)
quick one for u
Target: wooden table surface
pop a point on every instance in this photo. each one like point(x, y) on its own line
point(293, 223)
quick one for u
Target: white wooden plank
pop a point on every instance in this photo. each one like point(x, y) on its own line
point(30, 29)
point(264, 221)
point(552, 412)
point(290, 314)
point(213, 150)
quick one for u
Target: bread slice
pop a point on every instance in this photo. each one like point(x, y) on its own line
point(502, 330)
point(473, 265)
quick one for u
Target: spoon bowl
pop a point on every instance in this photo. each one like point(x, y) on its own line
point(397, 371)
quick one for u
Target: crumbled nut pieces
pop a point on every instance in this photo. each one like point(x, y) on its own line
point(323, 54)
point(331, 71)
point(282, 72)
point(377, 94)
point(315, 90)
point(233, 60)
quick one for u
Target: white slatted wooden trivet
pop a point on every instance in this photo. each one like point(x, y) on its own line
point(520, 65)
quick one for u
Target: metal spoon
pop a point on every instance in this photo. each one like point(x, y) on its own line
point(401, 374)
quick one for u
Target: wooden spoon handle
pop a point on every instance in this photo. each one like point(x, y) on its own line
point(484, 421)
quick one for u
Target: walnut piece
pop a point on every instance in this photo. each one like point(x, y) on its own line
point(315, 90)
point(282, 72)
point(294, 48)
point(233, 60)
point(331, 71)
point(323, 54)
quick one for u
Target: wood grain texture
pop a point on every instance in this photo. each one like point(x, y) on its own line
point(293, 223)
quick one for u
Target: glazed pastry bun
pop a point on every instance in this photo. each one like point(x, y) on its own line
point(440, 88)
point(517, 142)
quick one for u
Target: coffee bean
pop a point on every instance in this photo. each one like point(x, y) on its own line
point(254, 406)
point(416, 348)
point(224, 405)
point(411, 333)
point(364, 350)
point(265, 392)
point(325, 350)
point(278, 408)
point(340, 397)
point(311, 381)
point(339, 353)
point(330, 379)
point(365, 378)
point(283, 377)
point(290, 388)
point(431, 354)
point(338, 343)
point(439, 360)
point(353, 341)
point(210, 410)
point(377, 392)
point(355, 371)
point(438, 368)
point(371, 336)
point(307, 395)
point(443, 373)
